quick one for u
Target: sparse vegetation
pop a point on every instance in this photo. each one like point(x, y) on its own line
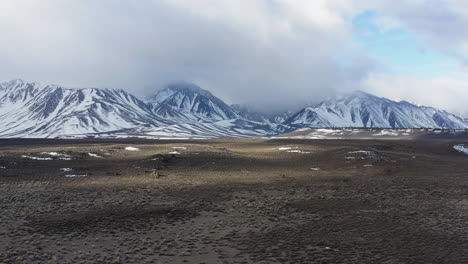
point(233, 201)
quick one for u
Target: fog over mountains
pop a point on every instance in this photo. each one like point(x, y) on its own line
point(185, 110)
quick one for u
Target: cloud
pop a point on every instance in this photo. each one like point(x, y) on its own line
point(264, 52)
point(440, 92)
point(440, 24)
point(270, 53)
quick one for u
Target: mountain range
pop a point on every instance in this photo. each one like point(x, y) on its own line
point(185, 110)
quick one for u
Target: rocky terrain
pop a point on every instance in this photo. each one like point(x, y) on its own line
point(233, 201)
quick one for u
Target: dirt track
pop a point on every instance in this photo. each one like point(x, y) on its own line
point(233, 201)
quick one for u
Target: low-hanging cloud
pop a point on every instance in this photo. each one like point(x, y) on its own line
point(440, 92)
point(440, 26)
point(269, 53)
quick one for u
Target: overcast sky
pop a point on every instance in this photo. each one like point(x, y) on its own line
point(273, 53)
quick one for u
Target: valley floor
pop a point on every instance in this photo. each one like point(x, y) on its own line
point(233, 201)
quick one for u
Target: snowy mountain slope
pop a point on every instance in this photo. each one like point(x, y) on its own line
point(185, 110)
point(246, 111)
point(237, 128)
point(273, 119)
point(33, 110)
point(184, 102)
point(365, 110)
point(377, 133)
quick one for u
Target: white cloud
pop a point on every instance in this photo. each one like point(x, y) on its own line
point(444, 93)
point(441, 24)
point(268, 52)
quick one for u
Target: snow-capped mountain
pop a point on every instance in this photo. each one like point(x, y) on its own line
point(34, 110)
point(186, 110)
point(179, 110)
point(247, 112)
point(198, 113)
point(273, 119)
point(238, 128)
point(185, 102)
point(361, 109)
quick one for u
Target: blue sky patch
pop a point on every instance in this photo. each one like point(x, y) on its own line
point(400, 51)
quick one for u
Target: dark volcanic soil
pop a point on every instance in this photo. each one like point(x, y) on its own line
point(233, 201)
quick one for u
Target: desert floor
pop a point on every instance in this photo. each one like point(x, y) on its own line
point(233, 201)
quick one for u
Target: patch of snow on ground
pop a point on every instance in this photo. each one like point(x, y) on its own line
point(298, 151)
point(66, 169)
point(182, 138)
point(368, 165)
point(387, 133)
point(366, 152)
point(61, 156)
point(461, 148)
point(75, 175)
point(284, 148)
point(174, 153)
point(2, 167)
point(179, 147)
point(35, 158)
point(314, 137)
point(94, 155)
point(315, 169)
point(326, 131)
point(293, 150)
point(132, 149)
point(52, 153)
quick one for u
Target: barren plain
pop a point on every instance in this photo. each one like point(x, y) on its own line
point(233, 201)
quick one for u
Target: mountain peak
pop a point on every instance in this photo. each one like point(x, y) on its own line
point(184, 88)
point(358, 94)
point(361, 109)
point(16, 81)
point(189, 102)
point(13, 83)
point(362, 94)
point(32, 109)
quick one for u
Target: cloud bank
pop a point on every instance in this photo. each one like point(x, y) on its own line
point(263, 52)
point(270, 53)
